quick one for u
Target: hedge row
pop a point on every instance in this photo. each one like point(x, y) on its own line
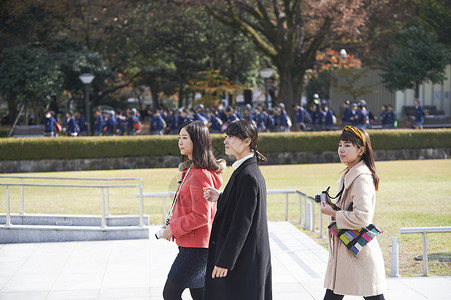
point(106, 147)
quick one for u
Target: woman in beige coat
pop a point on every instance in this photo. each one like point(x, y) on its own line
point(363, 275)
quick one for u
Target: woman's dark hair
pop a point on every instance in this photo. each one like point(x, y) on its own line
point(244, 129)
point(367, 156)
point(203, 157)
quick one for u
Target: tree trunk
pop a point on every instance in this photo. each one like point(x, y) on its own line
point(12, 108)
point(417, 90)
point(155, 102)
point(181, 95)
point(290, 87)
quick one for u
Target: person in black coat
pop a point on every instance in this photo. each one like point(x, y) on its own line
point(239, 257)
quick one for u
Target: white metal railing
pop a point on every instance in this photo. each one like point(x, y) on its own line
point(423, 231)
point(302, 202)
point(104, 192)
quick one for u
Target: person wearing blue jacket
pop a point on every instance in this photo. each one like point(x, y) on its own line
point(270, 121)
point(355, 115)
point(347, 114)
point(110, 124)
point(133, 122)
point(260, 119)
point(173, 122)
point(281, 119)
point(300, 116)
point(231, 114)
point(329, 119)
point(81, 123)
point(215, 123)
point(391, 117)
point(418, 117)
point(98, 124)
point(184, 117)
point(72, 129)
point(50, 125)
point(157, 124)
point(248, 115)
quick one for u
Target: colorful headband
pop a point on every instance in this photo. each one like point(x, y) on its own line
point(360, 134)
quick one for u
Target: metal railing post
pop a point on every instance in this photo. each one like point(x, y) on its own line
point(424, 231)
point(394, 257)
point(141, 204)
point(310, 222)
point(300, 208)
point(107, 208)
point(103, 224)
point(313, 216)
point(8, 208)
point(286, 206)
point(22, 202)
point(425, 254)
point(305, 212)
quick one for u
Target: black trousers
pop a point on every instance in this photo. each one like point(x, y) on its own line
point(330, 295)
point(172, 291)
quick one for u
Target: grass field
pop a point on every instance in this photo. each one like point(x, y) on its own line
point(411, 194)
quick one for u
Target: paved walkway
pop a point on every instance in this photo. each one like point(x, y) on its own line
point(136, 269)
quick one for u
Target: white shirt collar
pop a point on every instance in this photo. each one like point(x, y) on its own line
point(238, 163)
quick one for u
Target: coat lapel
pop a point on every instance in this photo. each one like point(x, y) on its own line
point(348, 178)
point(222, 203)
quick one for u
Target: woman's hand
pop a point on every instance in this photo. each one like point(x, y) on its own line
point(167, 234)
point(211, 194)
point(219, 272)
point(326, 209)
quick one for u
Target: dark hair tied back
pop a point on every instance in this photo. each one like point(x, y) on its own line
point(244, 129)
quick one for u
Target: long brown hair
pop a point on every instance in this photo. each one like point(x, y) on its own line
point(244, 129)
point(203, 157)
point(367, 156)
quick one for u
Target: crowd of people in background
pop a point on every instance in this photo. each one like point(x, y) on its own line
point(358, 115)
point(168, 121)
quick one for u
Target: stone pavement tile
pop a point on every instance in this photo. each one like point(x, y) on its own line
point(4, 278)
point(125, 283)
point(24, 296)
point(83, 267)
point(432, 287)
point(125, 293)
point(292, 296)
point(74, 281)
point(8, 269)
point(73, 294)
point(426, 282)
point(12, 251)
point(29, 282)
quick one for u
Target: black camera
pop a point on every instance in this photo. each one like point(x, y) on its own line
point(323, 197)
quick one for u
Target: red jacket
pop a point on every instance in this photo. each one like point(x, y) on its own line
point(193, 215)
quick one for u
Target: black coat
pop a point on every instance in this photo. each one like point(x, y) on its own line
point(239, 239)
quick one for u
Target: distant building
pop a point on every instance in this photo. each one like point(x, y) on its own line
point(438, 95)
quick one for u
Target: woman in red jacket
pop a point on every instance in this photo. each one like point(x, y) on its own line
point(193, 215)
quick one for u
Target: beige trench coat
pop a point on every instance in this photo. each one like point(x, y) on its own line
point(363, 275)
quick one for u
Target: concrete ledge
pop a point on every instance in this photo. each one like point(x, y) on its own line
point(40, 234)
point(332, 157)
point(54, 165)
point(73, 220)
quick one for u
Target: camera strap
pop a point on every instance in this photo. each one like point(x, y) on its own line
point(176, 196)
point(334, 205)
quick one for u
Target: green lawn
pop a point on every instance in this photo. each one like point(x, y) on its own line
point(411, 194)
